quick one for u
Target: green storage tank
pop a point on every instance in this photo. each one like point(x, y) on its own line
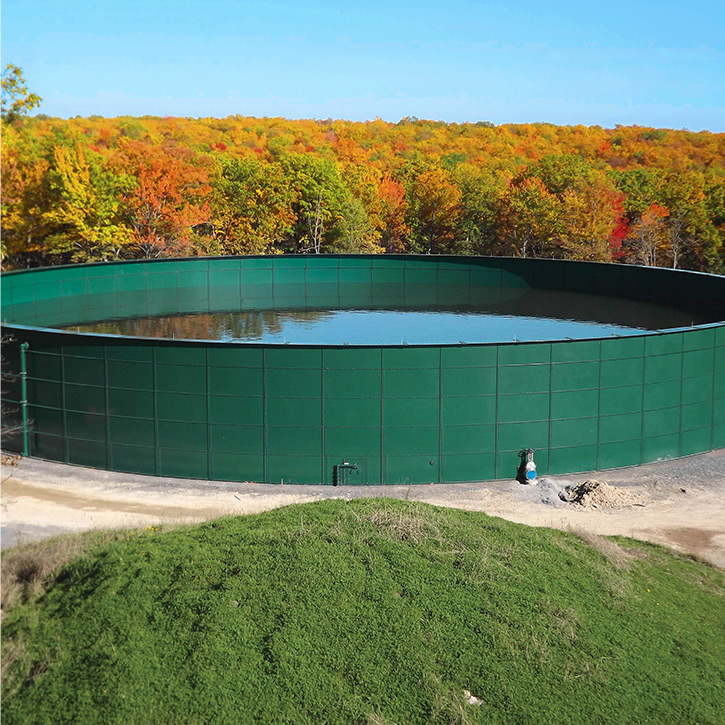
point(353, 414)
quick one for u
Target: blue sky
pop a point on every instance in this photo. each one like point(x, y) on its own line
point(650, 63)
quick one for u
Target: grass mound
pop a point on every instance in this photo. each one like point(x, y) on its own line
point(370, 611)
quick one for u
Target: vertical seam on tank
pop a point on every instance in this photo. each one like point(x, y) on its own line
point(712, 396)
point(274, 302)
point(682, 385)
point(109, 454)
point(154, 396)
point(438, 282)
point(265, 463)
point(208, 287)
point(305, 285)
point(470, 276)
point(63, 401)
point(322, 405)
point(644, 387)
point(496, 424)
point(440, 414)
point(239, 279)
point(209, 462)
point(598, 461)
point(549, 425)
point(383, 471)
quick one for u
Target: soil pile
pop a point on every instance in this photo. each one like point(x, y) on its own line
point(594, 494)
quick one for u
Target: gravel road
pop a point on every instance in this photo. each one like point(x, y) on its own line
point(678, 503)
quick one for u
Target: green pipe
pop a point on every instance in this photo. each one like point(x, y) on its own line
point(24, 396)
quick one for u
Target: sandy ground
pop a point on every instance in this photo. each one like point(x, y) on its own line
point(678, 503)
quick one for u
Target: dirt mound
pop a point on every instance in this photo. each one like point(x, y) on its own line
point(593, 494)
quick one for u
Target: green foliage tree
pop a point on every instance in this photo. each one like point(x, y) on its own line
point(320, 199)
point(434, 211)
point(528, 220)
point(251, 207)
point(481, 191)
point(17, 101)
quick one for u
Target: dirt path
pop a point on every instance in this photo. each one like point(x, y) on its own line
point(678, 503)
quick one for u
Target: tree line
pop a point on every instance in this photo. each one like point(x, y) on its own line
point(96, 189)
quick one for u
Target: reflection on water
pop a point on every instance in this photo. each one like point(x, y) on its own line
point(535, 315)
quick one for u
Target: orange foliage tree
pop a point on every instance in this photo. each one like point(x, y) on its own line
point(169, 198)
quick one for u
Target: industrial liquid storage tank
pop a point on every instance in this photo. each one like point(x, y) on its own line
point(441, 404)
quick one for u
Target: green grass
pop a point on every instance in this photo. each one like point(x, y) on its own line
point(371, 611)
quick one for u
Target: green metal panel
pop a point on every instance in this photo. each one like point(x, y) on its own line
point(474, 410)
point(410, 440)
point(658, 448)
point(516, 436)
point(468, 381)
point(626, 371)
point(133, 458)
point(130, 375)
point(244, 439)
point(237, 467)
point(695, 441)
point(87, 453)
point(182, 436)
point(183, 463)
point(468, 438)
point(136, 404)
point(577, 458)
point(180, 378)
point(342, 441)
point(239, 382)
point(524, 379)
point(86, 371)
point(693, 416)
point(131, 431)
point(46, 393)
point(576, 403)
point(87, 426)
point(522, 408)
point(470, 467)
point(355, 383)
point(236, 410)
point(414, 383)
point(404, 469)
point(624, 453)
point(659, 422)
point(341, 412)
point(575, 375)
point(181, 407)
point(625, 427)
point(574, 432)
point(627, 399)
point(84, 398)
point(48, 420)
point(401, 414)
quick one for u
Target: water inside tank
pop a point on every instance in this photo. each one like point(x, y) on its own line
point(529, 316)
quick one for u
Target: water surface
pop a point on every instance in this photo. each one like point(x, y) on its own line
point(532, 315)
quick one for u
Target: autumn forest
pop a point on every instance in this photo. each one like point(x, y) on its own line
point(95, 189)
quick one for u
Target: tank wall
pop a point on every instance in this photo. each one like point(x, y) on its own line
point(68, 295)
point(401, 415)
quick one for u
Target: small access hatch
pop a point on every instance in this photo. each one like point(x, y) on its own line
point(348, 471)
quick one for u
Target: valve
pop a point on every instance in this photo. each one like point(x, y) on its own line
point(527, 467)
